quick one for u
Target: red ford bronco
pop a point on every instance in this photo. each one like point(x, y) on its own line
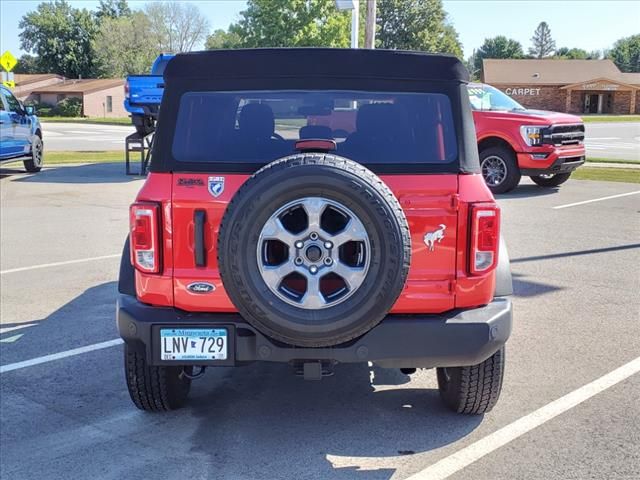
point(262, 235)
point(514, 141)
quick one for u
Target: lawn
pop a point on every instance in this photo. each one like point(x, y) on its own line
point(100, 121)
point(610, 118)
point(611, 160)
point(627, 175)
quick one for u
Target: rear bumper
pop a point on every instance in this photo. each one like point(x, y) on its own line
point(456, 338)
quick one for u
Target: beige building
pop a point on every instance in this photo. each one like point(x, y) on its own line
point(100, 97)
point(572, 86)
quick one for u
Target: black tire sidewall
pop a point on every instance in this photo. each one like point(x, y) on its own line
point(513, 175)
point(241, 277)
point(31, 165)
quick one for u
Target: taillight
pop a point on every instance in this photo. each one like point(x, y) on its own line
point(126, 89)
point(145, 236)
point(485, 237)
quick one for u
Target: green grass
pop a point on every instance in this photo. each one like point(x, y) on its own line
point(53, 158)
point(57, 158)
point(607, 174)
point(101, 121)
point(610, 118)
point(611, 160)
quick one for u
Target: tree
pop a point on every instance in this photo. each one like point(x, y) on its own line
point(571, 53)
point(292, 23)
point(416, 25)
point(112, 9)
point(176, 27)
point(497, 47)
point(27, 64)
point(122, 46)
point(61, 37)
point(223, 39)
point(626, 54)
point(543, 44)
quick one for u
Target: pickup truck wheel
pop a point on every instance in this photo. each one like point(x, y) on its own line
point(34, 163)
point(499, 169)
point(154, 389)
point(551, 180)
point(314, 250)
point(475, 389)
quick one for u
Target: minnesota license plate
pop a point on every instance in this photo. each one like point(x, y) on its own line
point(193, 344)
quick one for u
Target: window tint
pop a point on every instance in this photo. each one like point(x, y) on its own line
point(369, 127)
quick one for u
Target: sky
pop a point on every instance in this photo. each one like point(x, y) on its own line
point(590, 25)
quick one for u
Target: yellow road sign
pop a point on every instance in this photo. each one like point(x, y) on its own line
point(8, 61)
point(9, 84)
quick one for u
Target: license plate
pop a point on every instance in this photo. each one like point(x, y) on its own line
point(193, 344)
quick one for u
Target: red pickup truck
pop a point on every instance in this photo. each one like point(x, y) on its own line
point(514, 141)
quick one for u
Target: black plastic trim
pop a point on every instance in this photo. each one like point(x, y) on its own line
point(127, 277)
point(199, 251)
point(455, 338)
point(559, 166)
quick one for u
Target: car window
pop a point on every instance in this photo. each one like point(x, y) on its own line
point(12, 103)
point(369, 127)
point(484, 97)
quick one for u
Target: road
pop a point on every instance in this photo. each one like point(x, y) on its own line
point(576, 320)
point(611, 140)
point(84, 137)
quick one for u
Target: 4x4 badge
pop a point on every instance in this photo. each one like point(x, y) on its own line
point(216, 186)
point(430, 238)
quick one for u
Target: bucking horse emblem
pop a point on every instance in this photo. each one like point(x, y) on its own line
point(430, 238)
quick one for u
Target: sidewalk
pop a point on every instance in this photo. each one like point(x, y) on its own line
point(633, 166)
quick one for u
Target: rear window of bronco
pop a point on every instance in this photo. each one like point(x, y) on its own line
point(261, 126)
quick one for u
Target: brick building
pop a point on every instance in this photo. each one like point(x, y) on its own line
point(572, 86)
point(100, 97)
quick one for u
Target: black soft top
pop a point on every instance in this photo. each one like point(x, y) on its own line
point(313, 63)
point(315, 69)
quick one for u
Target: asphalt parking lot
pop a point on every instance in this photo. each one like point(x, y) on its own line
point(575, 254)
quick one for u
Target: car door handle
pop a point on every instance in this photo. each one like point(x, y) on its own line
point(199, 219)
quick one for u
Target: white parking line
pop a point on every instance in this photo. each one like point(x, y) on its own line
point(57, 264)
point(595, 200)
point(57, 356)
point(474, 452)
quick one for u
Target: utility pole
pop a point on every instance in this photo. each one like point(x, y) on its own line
point(370, 26)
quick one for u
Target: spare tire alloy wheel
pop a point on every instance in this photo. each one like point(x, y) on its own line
point(329, 258)
point(314, 250)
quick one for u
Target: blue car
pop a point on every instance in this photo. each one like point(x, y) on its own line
point(20, 132)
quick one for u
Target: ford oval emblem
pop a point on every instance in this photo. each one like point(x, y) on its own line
point(201, 287)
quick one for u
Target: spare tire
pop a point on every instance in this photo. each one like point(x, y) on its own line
point(314, 250)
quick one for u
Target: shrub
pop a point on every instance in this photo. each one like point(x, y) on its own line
point(69, 107)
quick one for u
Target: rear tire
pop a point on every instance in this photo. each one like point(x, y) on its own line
point(499, 169)
point(34, 163)
point(552, 180)
point(154, 389)
point(472, 390)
